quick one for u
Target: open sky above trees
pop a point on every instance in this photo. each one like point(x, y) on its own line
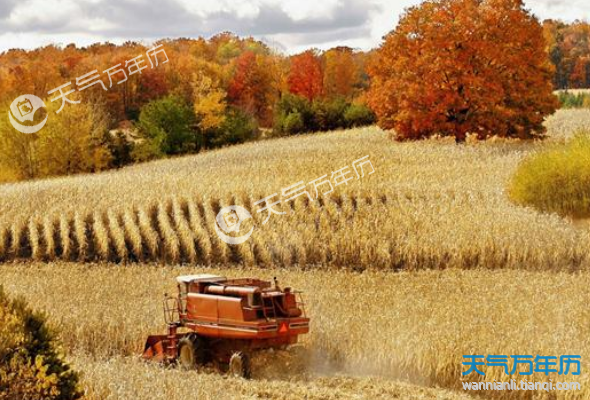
point(289, 26)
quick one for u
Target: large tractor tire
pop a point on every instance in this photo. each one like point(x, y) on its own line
point(239, 365)
point(192, 352)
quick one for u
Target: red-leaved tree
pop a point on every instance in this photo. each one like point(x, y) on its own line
point(305, 76)
point(453, 67)
point(252, 86)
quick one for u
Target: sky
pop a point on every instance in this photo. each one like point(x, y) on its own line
point(286, 25)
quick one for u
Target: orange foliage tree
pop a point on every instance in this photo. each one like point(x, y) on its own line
point(305, 76)
point(252, 86)
point(453, 67)
point(340, 72)
point(569, 49)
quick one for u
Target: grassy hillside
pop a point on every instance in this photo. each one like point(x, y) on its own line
point(428, 205)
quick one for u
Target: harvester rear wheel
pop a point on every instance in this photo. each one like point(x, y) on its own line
point(191, 352)
point(239, 365)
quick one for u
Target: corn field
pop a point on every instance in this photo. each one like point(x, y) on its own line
point(428, 205)
point(475, 273)
point(374, 334)
point(411, 231)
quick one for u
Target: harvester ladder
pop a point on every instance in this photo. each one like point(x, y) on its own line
point(268, 308)
point(301, 303)
point(171, 310)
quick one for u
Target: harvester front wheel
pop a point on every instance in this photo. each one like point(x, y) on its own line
point(239, 365)
point(191, 352)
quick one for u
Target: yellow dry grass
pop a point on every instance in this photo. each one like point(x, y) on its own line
point(515, 280)
point(428, 205)
point(565, 123)
point(411, 327)
point(137, 381)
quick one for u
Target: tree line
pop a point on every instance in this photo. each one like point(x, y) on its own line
point(226, 89)
point(568, 46)
point(211, 93)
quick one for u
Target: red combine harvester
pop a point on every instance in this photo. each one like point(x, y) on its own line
point(223, 320)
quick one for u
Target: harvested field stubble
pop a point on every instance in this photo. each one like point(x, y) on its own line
point(409, 326)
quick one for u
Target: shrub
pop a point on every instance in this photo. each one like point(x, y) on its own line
point(295, 114)
point(147, 150)
point(359, 115)
point(120, 148)
point(574, 100)
point(237, 127)
point(293, 104)
point(556, 180)
point(293, 123)
point(329, 114)
point(30, 367)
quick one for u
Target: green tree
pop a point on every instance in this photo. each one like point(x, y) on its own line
point(358, 114)
point(294, 114)
point(167, 127)
point(237, 127)
point(329, 114)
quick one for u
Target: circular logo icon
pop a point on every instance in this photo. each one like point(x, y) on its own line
point(23, 109)
point(229, 220)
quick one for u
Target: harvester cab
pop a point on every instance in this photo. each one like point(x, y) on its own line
point(224, 320)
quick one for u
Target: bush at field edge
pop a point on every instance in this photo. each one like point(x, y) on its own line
point(296, 114)
point(556, 180)
point(30, 366)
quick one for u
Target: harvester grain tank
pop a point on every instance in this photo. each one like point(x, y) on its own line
point(220, 320)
